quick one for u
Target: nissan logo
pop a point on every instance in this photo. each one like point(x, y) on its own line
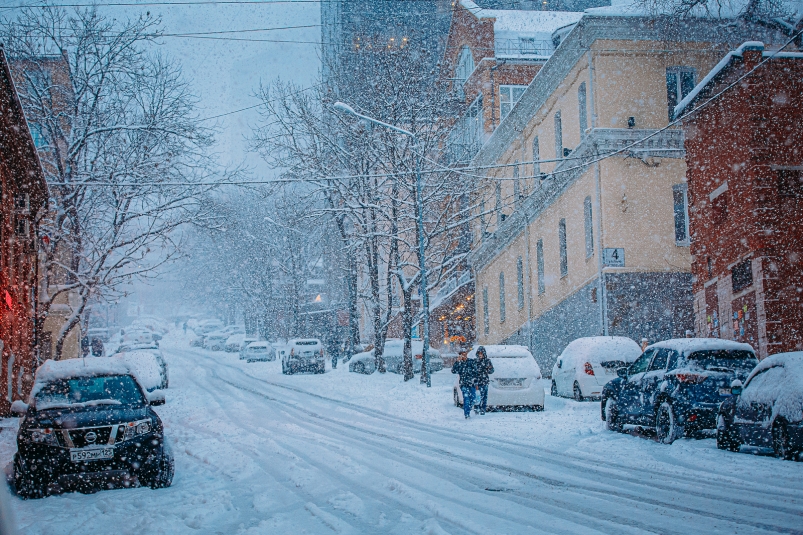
point(91, 436)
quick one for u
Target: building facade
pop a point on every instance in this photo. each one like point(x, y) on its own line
point(744, 154)
point(583, 221)
point(24, 197)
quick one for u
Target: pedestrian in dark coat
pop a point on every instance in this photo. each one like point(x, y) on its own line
point(484, 368)
point(467, 370)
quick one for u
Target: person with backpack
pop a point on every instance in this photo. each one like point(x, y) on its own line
point(484, 368)
point(467, 370)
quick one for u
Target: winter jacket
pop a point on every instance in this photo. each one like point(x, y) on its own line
point(484, 368)
point(467, 369)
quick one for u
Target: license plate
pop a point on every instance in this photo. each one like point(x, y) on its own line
point(94, 454)
point(724, 391)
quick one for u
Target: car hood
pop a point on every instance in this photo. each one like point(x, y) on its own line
point(108, 415)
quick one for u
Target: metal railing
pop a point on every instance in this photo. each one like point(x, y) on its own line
point(523, 47)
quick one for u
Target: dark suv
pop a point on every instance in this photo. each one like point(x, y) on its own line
point(89, 421)
point(676, 386)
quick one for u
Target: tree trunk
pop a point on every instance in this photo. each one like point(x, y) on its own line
point(407, 327)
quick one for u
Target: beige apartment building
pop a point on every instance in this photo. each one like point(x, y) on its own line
point(583, 219)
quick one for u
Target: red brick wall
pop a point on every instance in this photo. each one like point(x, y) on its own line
point(741, 138)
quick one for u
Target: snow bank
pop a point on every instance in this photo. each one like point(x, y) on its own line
point(56, 370)
point(780, 385)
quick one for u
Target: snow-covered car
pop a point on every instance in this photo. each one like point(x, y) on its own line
point(245, 343)
point(516, 382)
point(215, 341)
point(363, 362)
point(303, 354)
point(394, 356)
point(587, 364)
point(137, 337)
point(204, 328)
point(768, 410)
point(88, 421)
point(676, 386)
point(148, 366)
point(260, 352)
point(233, 342)
point(151, 349)
point(101, 333)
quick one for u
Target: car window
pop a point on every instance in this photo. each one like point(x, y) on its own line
point(674, 356)
point(769, 377)
point(723, 360)
point(104, 390)
point(641, 363)
point(659, 360)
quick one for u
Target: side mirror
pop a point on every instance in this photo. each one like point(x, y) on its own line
point(19, 407)
point(560, 364)
point(622, 372)
point(157, 397)
point(736, 387)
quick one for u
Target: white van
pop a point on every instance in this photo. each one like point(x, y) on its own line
point(303, 354)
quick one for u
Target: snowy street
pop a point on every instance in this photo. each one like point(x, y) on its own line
point(258, 452)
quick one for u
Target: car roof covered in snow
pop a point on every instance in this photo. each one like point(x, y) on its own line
point(500, 351)
point(57, 370)
point(258, 344)
point(597, 349)
point(690, 345)
point(782, 391)
point(791, 361)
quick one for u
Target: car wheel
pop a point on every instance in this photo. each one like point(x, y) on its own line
point(162, 475)
point(321, 368)
point(578, 394)
point(359, 367)
point(780, 442)
point(456, 398)
point(727, 439)
point(553, 391)
point(667, 427)
point(537, 408)
point(27, 487)
point(612, 421)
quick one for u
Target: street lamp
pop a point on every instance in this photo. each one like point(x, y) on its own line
point(419, 205)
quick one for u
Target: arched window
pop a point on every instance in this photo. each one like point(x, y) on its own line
point(465, 64)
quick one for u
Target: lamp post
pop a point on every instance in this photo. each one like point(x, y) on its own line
point(419, 206)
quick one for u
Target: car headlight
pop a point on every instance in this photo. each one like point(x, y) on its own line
point(43, 436)
point(133, 429)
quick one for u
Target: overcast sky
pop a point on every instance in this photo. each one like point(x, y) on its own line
point(226, 73)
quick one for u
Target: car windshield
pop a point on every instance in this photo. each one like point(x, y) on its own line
point(723, 360)
point(255, 349)
point(88, 391)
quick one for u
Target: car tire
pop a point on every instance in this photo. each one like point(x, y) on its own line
point(612, 421)
point(27, 488)
point(456, 398)
point(577, 393)
point(553, 390)
point(537, 408)
point(321, 368)
point(727, 439)
point(162, 475)
point(781, 442)
point(359, 367)
point(667, 427)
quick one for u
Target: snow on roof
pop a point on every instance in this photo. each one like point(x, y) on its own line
point(724, 62)
point(689, 345)
point(725, 9)
point(521, 22)
point(55, 370)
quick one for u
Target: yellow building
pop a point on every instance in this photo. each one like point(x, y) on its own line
point(582, 224)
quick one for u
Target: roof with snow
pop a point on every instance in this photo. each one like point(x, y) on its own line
point(721, 9)
point(689, 345)
point(723, 64)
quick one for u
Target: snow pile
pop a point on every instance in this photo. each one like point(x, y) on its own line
point(599, 349)
point(780, 385)
point(57, 370)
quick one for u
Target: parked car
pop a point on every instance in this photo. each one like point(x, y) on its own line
point(233, 342)
point(676, 386)
point(102, 333)
point(516, 382)
point(768, 410)
point(245, 343)
point(216, 341)
point(88, 421)
point(260, 352)
point(204, 328)
point(363, 362)
point(138, 337)
point(587, 364)
point(303, 354)
point(394, 356)
point(145, 355)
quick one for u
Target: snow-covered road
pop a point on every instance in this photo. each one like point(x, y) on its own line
point(259, 452)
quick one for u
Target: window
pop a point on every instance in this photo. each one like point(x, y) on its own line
point(465, 65)
point(37, 135)
point(641, 363)
point(508, 96)
point(22, 227)
point(589, 227)
point(742, 275)
point(539, 261)
point(564, 259)
point(558, 136)
point(681, 209)
point(536, 157)
point(581, 101)
point(659, 360)
point(486, 323)
point(22, 202)
point(527, 46)
point(679, 83)
point(517, 195)
point(501, 297)
point(790, 183)
point(498, 206)
point(520, 281)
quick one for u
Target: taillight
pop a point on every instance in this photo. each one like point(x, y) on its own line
point(691, 378)
point(589, 369)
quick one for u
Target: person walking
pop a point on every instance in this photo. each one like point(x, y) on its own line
point(484, 368)
point(185, 327)
point(466, 369)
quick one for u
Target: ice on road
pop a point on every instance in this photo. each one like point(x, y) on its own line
point(259, 452)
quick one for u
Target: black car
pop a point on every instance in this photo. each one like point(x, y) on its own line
point(676, 386)
point(768, 410)
point(89, 421)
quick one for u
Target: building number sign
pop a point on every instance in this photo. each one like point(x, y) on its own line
point(614, 257)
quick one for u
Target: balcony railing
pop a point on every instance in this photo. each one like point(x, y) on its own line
point(523, 47)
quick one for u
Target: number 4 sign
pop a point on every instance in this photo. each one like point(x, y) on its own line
point(614, 257)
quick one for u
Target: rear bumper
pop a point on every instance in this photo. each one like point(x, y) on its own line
point(303, 363)
point(697, 415)
point(516, 397)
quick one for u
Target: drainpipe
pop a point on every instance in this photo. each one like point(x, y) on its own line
point(601, 292)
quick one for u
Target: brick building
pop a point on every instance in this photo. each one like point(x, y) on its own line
point(744, 153)
point(24, 195)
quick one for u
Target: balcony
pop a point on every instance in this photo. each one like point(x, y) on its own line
point(523, 48)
